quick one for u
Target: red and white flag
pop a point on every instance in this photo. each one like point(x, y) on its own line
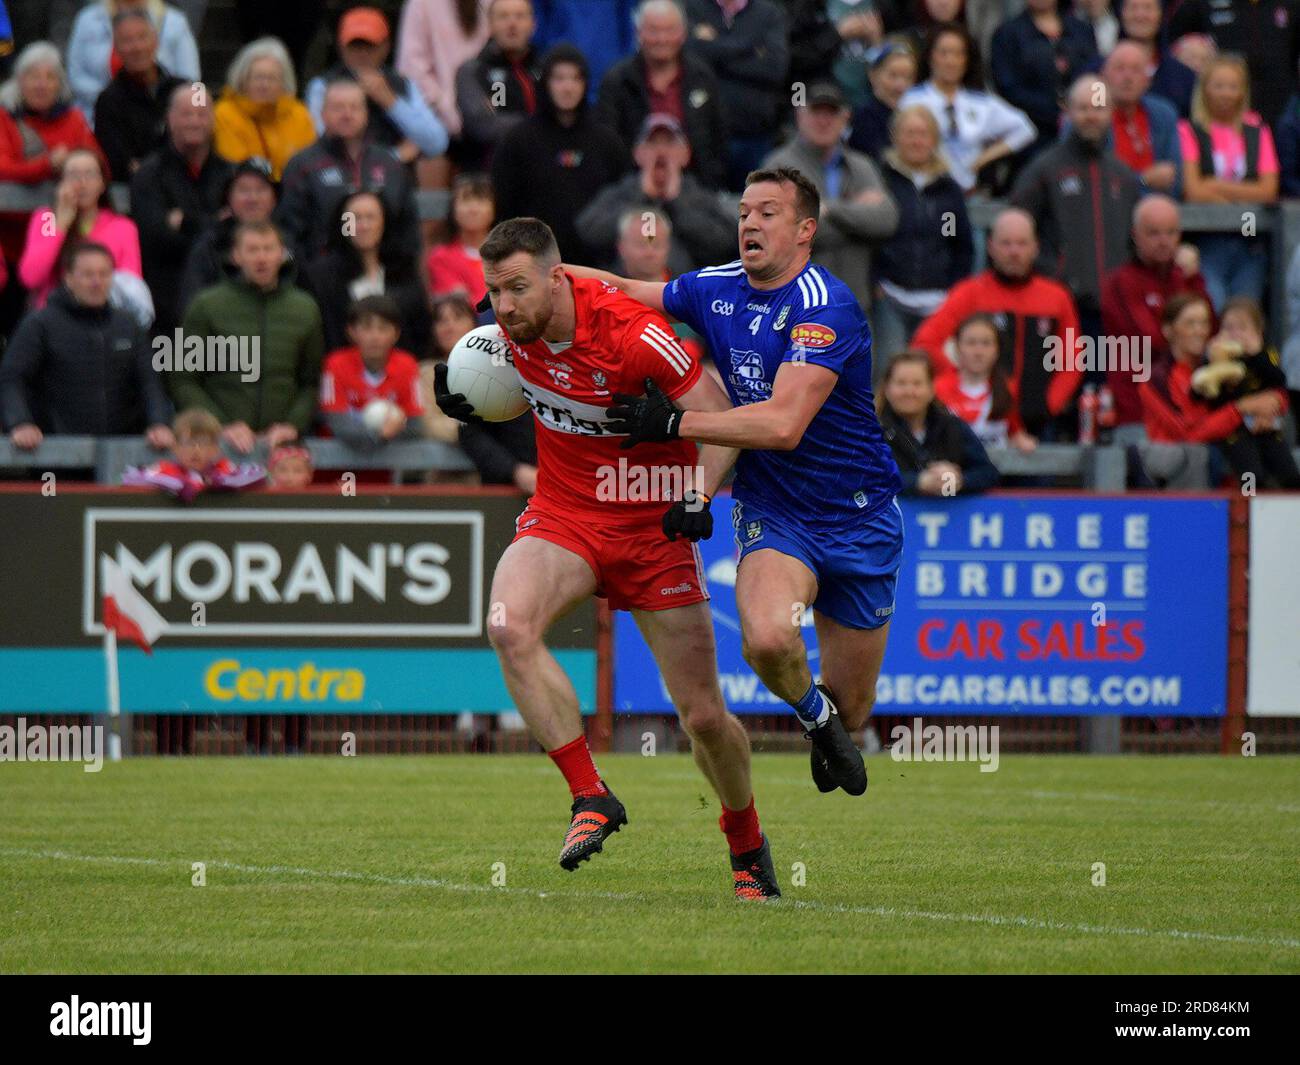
point(126, 611)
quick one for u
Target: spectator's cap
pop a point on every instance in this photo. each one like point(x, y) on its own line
point(655, 122)
point(826, 94)
point(363, 24)
point(258, 167)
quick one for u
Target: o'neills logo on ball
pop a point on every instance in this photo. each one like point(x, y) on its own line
point(812, 335)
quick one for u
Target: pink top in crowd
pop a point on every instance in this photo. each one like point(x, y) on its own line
point(40, 260)
point(1229, 148)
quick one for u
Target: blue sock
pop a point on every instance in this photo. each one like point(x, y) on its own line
point(812, 709)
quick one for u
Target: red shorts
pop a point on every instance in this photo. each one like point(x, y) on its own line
point(636, 566)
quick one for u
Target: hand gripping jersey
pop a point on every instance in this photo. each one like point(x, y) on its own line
point(843, 469)
point(618, 343)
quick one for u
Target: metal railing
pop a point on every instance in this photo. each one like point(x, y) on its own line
point(109, 456)
point(1100, 468)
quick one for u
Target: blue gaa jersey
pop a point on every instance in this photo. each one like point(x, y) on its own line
point(843, 467)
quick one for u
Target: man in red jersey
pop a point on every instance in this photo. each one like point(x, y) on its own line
point(593, 529)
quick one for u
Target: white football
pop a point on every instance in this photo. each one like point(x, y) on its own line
point(481, 367)
point(376, 412)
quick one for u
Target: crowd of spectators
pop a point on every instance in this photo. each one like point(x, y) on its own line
point(276, 202)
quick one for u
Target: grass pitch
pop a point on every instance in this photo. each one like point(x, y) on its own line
point(387, 864)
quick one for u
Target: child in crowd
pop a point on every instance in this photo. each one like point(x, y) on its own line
point(289, 468)
point(1259, 446)
point(197, 464)
point(372, 370)
point(978, 392)
point(937, 453)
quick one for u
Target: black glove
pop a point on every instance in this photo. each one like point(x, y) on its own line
point(452, 404)
point(689, 518)
point(647, 419)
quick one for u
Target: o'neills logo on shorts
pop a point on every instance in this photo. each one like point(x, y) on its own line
point(812, 335)
point(685, 586)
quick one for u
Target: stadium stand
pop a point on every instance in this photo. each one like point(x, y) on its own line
point(683, 77)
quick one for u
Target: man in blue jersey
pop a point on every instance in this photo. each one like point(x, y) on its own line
point(816, 521)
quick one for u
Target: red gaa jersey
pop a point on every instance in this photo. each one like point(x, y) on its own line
point(617, 344)
point(974, 407)
point(345, 385)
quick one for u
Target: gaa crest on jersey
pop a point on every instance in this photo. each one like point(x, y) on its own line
point(779, 324)
point(598, 379)
point(752, 532)
point(812, 335)
point(747, 365)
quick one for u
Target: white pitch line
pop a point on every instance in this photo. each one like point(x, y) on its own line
point(619, 896)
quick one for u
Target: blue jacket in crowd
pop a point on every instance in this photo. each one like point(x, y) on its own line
point(1023, 64)
point(921, 255)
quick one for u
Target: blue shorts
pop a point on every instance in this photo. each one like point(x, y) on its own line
point(856, 566)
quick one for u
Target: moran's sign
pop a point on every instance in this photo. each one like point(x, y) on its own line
point(294, 572)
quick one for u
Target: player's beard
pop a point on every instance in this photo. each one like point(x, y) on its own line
point(530, 329)
point(525, 332)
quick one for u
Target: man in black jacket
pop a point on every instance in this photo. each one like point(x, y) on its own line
point(131, 112)
point(250, 196)
point(317, 180)
point(661, 78)
point(498, 87)
point(749, 53)
point(706, 233)
point(175, 196)
point(550, 166)
point(1082, 197)
point(80, 366)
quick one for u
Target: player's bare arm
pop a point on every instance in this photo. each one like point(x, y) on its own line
point(716, 460)
point(651, 293)
point(775, 424)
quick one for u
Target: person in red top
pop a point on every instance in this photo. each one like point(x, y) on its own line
point(594, 527)
point(455, 266)
point(373, 369)
point(39, 129)
point(197, 464)
point(978, 392)
point(1035, 317)
point(1133, 296)
point(39, 126)
point(1171, 411)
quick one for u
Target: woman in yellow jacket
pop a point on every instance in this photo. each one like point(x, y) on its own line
point(259, 113)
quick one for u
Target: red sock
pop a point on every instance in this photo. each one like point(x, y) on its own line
point(574, 761)
point(741, 829)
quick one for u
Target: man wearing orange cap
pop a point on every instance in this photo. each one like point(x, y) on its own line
point(399, 117)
